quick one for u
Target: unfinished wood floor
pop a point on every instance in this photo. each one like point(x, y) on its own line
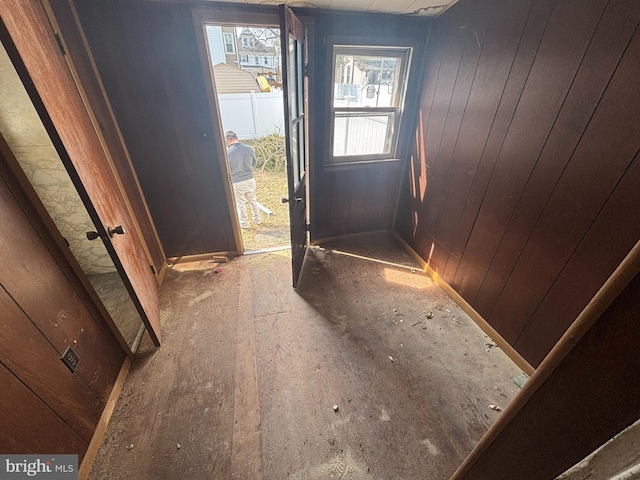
point(250, 369)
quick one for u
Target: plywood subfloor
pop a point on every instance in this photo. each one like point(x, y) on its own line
point(245, 383)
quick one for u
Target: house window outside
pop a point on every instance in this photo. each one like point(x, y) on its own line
point(244, 58)
point(366, 112)
point(228, 43)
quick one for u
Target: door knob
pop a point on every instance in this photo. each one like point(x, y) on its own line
point(92, 235)
point(119, 230)
point(298, 200)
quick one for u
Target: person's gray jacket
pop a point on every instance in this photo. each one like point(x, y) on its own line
point(242, 159)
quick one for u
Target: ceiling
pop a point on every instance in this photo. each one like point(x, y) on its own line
point(400, 7)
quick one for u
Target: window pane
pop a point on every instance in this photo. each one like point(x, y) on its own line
point(362, 133)
point(367, 81)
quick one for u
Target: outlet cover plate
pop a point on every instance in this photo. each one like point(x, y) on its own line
point(70, 359)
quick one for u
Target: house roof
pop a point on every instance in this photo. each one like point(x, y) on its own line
point(233, 80)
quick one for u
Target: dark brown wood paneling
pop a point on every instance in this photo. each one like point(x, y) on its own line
point(29, 426)
point(559, 56)
point(475, 31)
point(606, 242)
point(30, 357)
point(539, 150)
point(496, 58)
point(587, 182)
point(362, 197)
point(508, 102)
point(160, 102)
point(452, 46)
point(600, 61)
point(35, 281)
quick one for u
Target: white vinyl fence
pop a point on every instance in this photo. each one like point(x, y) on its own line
point(252, 115)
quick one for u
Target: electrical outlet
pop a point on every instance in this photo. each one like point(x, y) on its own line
point(70, 359)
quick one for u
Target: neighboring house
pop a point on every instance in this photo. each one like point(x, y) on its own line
point(255, 55)
point(222, 44)
point(233, 80)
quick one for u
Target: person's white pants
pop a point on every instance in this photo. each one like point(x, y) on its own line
point(244, 192)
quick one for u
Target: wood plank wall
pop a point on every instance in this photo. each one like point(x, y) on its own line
point(45, 408)
point(147, 56)
point(358, 198)
point(522, 193)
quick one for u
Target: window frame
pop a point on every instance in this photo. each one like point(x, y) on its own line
point(225, 36)
point(395, 112)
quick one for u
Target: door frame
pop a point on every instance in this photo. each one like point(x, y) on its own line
point(235, 14)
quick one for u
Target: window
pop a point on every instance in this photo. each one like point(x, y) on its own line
point(248, 42)
point(228, 43)
point(244, 58)
point(368, 99)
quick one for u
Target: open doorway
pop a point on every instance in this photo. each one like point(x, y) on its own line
point(247, 76)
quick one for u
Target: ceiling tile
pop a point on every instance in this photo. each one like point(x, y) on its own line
point(391, 6)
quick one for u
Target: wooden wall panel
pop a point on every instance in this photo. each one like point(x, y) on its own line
point(605, 50)
point(548, 133)
point(588, 180)
point(608, 239)
point(44, 308)
point(356, 198)
point(551, 75)
point(148, 58)
point(44, 373)
point(28, 425)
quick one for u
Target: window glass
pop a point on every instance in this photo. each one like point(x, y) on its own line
point(366, 81)
point(367, 102)
point(228, 43)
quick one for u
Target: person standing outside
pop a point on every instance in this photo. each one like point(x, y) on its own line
point(242, 159)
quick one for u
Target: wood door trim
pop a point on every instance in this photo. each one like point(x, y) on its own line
point(201, 16)
point(73, 44)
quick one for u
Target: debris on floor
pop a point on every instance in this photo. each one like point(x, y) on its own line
point(495, 407)
point(521, 379)
point(491, 345)
point(390, 358)
point(335, 408)
point(429, 314)
point(217, 270)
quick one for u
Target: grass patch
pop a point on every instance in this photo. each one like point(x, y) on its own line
point(271, 187)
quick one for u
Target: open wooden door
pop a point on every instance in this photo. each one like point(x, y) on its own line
point(292, 44)
point(39, 57)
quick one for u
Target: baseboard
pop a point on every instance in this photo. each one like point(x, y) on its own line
point(101, 428)
point(321, 241)
point(481, 322)
point(222, 257)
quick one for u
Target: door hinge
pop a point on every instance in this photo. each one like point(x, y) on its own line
point(305, 70)
point(308, 227)
point(60, 45)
